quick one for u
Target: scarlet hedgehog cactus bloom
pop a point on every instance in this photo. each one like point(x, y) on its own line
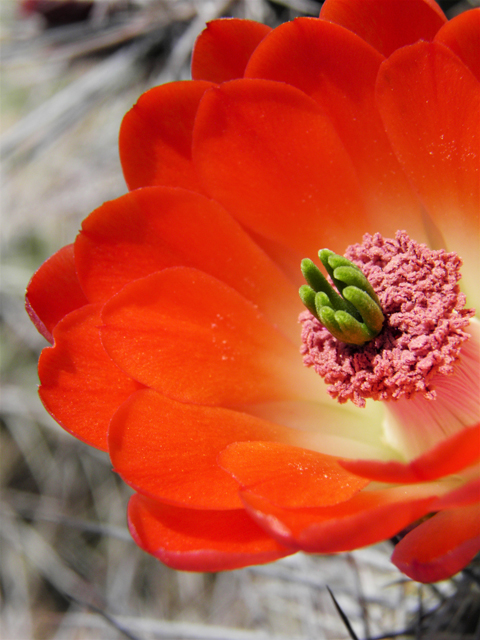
point(174, 315)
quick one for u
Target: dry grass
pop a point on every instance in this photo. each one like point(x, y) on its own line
point(68, 568)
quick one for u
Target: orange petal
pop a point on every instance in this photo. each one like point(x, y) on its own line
point(156, 136)
point(441, 546)
point(462, 36)
point(369, 517)
point(151, 229)
point(289, 476)
point(223, 49)
point(430, 104)
point(168, 450)
point(449, 456)
point(195, 540)
point(272, 158)
point(195, 339)
point(386, 24)
point(54, 291)
point(339, 70)
point(467, 494)
point(80, 386)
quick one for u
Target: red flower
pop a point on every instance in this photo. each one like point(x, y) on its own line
point(174, 316)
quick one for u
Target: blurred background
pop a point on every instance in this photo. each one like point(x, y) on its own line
point(68, 568)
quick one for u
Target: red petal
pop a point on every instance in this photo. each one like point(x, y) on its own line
point(194, 540)
point(168, 450)
point(81, 387)
point(467, 494)
point(154, 228)
point(54, 291)
point(223, 49)
point(386, 24)
point(195, 339)
point(339, 70)
point(269, 155)
point(369, 517)
point(289, 476)
point(156, 136)
point(441, 546)
point(449, 456)
point(430, 105)
point(462, 36)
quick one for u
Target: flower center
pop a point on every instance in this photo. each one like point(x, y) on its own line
point(355, 316)
point(407, 319)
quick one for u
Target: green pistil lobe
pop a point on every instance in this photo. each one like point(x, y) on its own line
point(355, 316)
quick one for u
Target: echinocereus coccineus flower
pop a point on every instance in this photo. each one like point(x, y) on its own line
point(174, 316)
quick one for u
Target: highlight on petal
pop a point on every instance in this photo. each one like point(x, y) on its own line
point(386, 24)
point(297, 190)
point(80, 386)
point(323, 425)
point(368, 517)
point(154, 228)
point(197, 540)
point(449, 456)
point(193, 338)
point(168, 450)
point(54, 291)
point(339, 70)
point(289, 476)
point(223, 49)
point(462, 36)
point(429, 102)
point(441, 546)
point(415, 426)
point(156, 136)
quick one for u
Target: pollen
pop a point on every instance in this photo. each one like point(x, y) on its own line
point(423, 332)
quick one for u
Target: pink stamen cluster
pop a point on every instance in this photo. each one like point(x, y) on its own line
point(424, 327)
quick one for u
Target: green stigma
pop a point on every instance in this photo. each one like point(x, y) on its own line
point(353, 315)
